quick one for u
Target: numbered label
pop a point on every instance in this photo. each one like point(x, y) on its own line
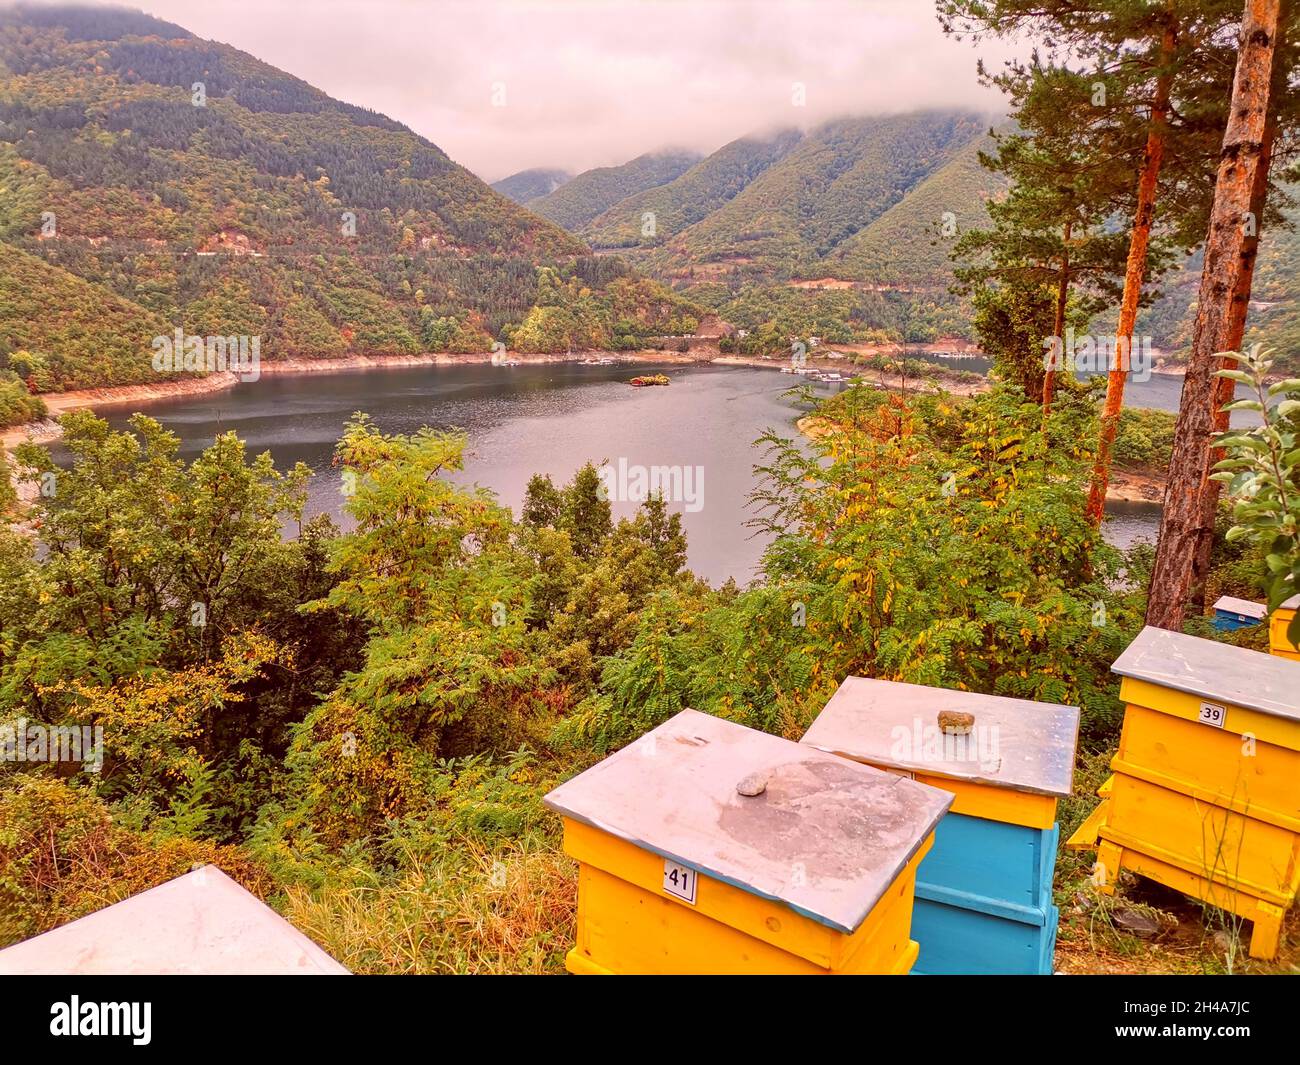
point(679, 881)
point(1213, 714)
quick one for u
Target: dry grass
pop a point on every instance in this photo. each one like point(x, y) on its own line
point(475, 911)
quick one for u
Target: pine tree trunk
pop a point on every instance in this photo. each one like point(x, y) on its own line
point(1221, 289)
point(1134, 271)
point(1224, 389)
point(1058, 326)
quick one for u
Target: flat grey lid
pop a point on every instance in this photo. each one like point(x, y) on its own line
point(827, 837)
point(202, 923)
point(1015, 743)
point(1217, 671)
point(1230, 604)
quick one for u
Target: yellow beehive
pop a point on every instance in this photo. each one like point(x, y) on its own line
point(708, 847)
point(1206, 792)
point(1278, 642)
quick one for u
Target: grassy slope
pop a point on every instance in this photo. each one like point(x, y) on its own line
point(577, 202)
point(905, 245)
point(838, 180)
point(704, 188)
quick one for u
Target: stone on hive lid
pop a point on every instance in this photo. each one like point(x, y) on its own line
point(201, 923)
point(1012, 743)
point(823, 835)
point(1236, 676)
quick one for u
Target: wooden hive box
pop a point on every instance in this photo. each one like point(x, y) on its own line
point(1278, 643)
point(1231, 613)
point(684, 869)
point(1205, 796)
point(984, 892)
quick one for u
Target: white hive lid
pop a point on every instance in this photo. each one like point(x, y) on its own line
point(1016, 743)
point(202, 923)
point(1216, 671)
point(1230, 604)
point(827, 837)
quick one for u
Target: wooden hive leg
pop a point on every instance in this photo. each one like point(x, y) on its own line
point(1267, 932)
point(1105, 872)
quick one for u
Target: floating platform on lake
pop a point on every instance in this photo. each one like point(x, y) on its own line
point(708, 847)
point(1205, 796)
point(984, 892)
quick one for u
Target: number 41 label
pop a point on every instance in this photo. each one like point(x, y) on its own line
point(679, 881)
point(1213, 714)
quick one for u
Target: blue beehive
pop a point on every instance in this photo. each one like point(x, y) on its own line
point(1231, 613)
point(984, 892)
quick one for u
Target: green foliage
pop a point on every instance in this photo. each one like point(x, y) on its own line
point(580, 199)
point(1013, 321)
point(17, 404)
point(790, 219)
point(64, 854)
point(680, 203)
point(1145, 438)
point(128, 211)
point(1261, 472)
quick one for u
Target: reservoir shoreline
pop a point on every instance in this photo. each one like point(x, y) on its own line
point(1128, 486)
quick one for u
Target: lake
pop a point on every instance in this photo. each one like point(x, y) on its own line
point(542, 418)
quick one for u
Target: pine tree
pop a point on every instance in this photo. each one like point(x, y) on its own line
point(1222, 285)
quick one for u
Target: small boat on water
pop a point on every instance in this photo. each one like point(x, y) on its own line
point(648, 379)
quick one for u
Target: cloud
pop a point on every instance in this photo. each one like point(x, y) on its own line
point(595, 82)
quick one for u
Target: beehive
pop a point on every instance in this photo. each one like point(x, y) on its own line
point(1278, 642)
point(707, 847)
point(202, 923)
point(1231, 613)
point(1205, 796)
point(984, 892)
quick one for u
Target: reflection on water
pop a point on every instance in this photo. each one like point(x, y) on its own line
point(531, 419)
point(1128, 522)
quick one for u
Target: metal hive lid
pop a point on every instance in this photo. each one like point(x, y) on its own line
point(1232, 605)
point(201, 923)
point(827, 837)
point(1233, 675)
point(1028, 746)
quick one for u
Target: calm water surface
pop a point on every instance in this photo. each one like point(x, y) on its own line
point(548, 418)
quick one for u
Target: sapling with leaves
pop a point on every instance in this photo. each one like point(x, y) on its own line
point(1261, 473)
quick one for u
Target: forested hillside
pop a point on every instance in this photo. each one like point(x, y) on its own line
point(578, 201)
point(189, 180)
point(705, 187)
point(839, 179)
point(910, 244)
point(531, 184)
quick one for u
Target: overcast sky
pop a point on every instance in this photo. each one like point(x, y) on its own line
point(596, 82)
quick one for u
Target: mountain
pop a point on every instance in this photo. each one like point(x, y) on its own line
point(701, 190)
point(531, 184)
point(92, 340)
point(577, 202)
point(909, 244)
point(193, 184)
point(839, 179)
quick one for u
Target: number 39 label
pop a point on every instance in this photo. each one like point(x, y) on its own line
point(679, 881)
point(1212, 714)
